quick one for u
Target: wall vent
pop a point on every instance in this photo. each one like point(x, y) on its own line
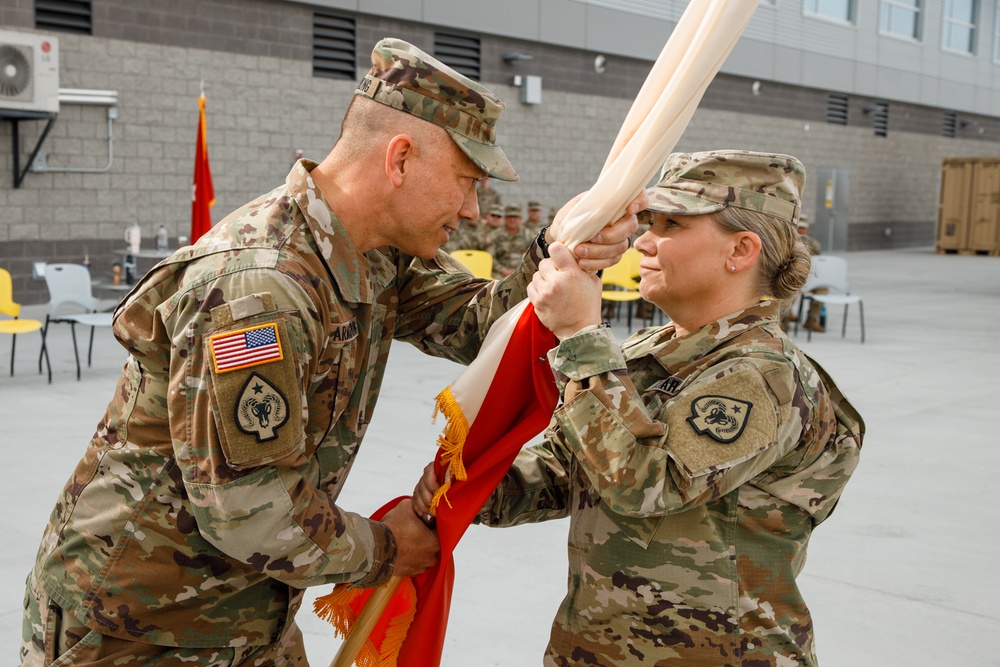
point(460, 52)
point(64, 15)
point(836, 109)
point(949, 123)
point(334, 46)
point(880, 119)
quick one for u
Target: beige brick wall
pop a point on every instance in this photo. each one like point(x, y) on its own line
point(260, 109)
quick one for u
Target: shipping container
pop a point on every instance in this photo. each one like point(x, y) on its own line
point(984, 211)
point(953, 211)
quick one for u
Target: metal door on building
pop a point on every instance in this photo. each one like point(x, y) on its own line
point(833, 196)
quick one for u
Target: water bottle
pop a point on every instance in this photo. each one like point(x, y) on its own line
point(162, 239)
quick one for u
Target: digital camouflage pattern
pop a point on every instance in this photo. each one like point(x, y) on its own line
point(405, 78)
point(507, 249)
point(194, 516)
point(697, 183)
point(693, 470)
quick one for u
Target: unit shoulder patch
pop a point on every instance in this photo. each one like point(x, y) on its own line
point(261, 409)
point(718, 423)
point(723, 418)
point(256, 393)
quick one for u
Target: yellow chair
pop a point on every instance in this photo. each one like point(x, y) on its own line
point(478, 262)
point(14, 326)
point(620, 283)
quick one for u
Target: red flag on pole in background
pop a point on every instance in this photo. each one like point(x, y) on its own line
point(203, 194)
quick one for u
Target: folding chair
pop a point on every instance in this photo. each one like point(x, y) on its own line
point(830, 272)
point(621, 282)
point(478, 262)
point(16, 325)
point(69, 285)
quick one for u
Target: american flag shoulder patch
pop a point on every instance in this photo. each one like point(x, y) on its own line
point(244, 348)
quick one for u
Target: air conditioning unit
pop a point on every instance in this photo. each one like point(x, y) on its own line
point(29, 72)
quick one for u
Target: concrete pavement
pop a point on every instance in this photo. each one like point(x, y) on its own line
point(903, 573)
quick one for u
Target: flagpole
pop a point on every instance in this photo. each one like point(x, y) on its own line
point(365, 622)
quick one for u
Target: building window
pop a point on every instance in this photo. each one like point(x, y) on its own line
point(334, 46)
point(841, 10)
point(64, 16)
point(996, 33)
point(836, 109)
point(900, 17)
point(958, 32)
point(460, 52)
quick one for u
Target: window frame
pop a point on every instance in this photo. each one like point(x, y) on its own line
point(900, 5)
point(947, 21)
point(816, 14)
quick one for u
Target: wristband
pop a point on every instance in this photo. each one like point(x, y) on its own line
point(542, 243)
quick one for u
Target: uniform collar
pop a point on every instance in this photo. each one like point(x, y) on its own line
point(355, 274)
point(675, 352)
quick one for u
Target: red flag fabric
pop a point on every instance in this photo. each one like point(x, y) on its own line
point(203, 194)
point(495, 437)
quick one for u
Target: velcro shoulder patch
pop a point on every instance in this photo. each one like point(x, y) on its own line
point(255, 391)
point(716, 424)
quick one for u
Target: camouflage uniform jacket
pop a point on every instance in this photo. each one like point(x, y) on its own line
point(693, 470)
point(468, 237)
point(507, 249)
point(206, 497)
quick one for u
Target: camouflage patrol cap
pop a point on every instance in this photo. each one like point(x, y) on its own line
point(512, 209)
point(497, 210)
point(534, 205)
point(409, 80)
point(803, 221)
point(697, 183)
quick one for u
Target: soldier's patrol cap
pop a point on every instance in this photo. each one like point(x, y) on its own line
point(534, 205)
point(698, 183)
point(496, 210)
point(409, 80)
point(803, 221)
point(512, 209)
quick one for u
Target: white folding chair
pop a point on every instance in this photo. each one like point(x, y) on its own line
point(830, 272)
point(69, 287)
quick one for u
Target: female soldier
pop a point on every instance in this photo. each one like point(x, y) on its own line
point(695, 459)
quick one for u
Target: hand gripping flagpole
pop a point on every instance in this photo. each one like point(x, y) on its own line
point(701, 42)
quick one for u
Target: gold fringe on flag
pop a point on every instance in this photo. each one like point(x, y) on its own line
point(335, 608)
point(451, 443)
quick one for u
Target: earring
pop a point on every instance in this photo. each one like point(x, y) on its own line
point(732, 268)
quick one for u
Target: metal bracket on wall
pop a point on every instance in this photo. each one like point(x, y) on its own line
point(15, 117)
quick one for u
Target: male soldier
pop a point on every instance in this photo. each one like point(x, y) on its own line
point(534, 222)
point(509, 242)
point(487, 196)
point(492, 226)
point(206, 499)
point(466, 237)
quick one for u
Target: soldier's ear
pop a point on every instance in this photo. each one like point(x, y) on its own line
point(399, 153)
point(744, 250)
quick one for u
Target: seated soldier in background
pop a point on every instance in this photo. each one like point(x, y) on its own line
point(814, 320)
point(534, 222)
point(508, 243)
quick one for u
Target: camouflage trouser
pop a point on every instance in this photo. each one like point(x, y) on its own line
point(52, 636)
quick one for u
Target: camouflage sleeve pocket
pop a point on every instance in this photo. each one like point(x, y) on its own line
point(717, 424)
point(254, 382)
